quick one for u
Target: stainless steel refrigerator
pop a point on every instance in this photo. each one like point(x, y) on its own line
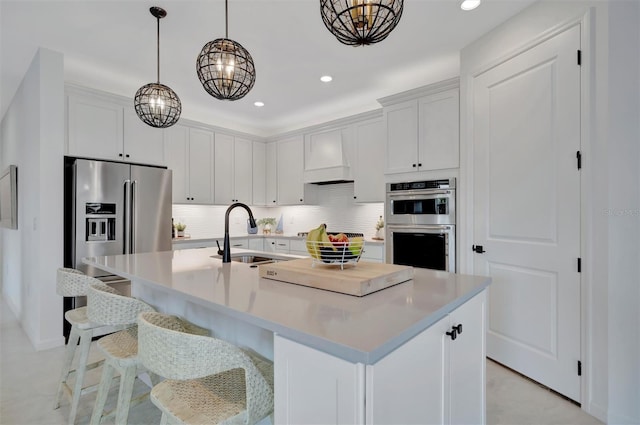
point(114, 208)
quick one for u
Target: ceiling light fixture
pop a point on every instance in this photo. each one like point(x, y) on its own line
point(258, 104)
point(326, 78)
point(469, 4)
point(225, 68)
point(156, 104)
point(361, 22)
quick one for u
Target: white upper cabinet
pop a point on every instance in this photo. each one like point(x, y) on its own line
point(233, 170)
point(368, 184)
point(243, 170)
point(189, 153)
point(107, 127)
point(423, 133)
point(271, 180)
point(290, 169)
point(439, 131)
point(402, 137)
point(223, 174)
point(259, 154)
point(142, 143)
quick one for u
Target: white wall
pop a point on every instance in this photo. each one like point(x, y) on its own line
point(33, 139)
point(335, 208)
point(610, 181)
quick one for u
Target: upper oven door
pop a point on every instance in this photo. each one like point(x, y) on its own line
point(421, 207)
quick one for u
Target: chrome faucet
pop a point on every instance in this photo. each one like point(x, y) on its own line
point(226, 251)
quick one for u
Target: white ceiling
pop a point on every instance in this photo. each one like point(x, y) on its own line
point(111, 46)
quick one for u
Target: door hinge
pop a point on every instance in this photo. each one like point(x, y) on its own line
point(579, 265)
point(579, 368)
point(579, 159)
point(579, 57)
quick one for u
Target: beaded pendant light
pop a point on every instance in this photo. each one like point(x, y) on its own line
point(156, 104)
point(361, 22)
point(225, 68)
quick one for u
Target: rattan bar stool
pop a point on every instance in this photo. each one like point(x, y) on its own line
point(120, 349)
point(74, 283)
point(209, 381)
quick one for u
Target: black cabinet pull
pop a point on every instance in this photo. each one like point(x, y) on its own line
point(127, 155)
point(355, 197)
point(478, 248)
point(120, 155)
point(419, 164)
point(453, 334)
point(273, 201)
point(414, 165)
point(300, 199)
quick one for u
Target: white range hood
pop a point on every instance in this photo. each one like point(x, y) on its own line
point(326, 157)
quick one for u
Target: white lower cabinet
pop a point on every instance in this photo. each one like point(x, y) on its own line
point(256, 244)
point(431, 379)
point(276, 245)
point(373, 253)
point(312, 387)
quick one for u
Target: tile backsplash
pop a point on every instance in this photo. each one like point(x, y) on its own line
point(335, 208)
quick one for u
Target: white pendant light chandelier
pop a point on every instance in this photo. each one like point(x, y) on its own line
point(156, 104)
point(361, 22)
point(225, 68)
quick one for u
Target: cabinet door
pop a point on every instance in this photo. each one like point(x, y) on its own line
point(223, 169)
point(368, 185)
point(272, 174)
point(256, 244)
point(439, 131)
point(259, 192)
point(290, 171)
point(95, 128)
point(270, 244)
point(312, 387)
point(243, 170)
point(142, 143)
point(201, 166)
point(410, 385)
point(467, 363)
point(402, 137)
point(176, 149)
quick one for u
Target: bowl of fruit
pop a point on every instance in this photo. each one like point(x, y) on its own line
point(334, 248)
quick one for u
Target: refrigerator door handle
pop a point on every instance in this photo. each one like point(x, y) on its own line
point(134, 198)
point(127, 217)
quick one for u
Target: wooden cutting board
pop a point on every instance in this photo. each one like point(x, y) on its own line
point(356, 279)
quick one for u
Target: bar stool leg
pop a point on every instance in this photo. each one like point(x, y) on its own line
point(124, 395)
point(69, 353)
point(85, 344)
point(103, 392)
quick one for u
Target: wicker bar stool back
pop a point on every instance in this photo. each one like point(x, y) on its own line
point(107, 306)
point(74, 283)
point(209, 381)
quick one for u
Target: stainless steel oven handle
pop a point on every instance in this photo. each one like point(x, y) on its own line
point(418, 229)
point(420, 193)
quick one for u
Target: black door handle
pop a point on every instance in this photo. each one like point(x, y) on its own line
point(453, 334)
point(458, 328)
point(478, 249)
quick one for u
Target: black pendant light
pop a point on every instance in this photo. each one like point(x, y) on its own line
point(156, 104)
point(361, 22)
point(225, 68)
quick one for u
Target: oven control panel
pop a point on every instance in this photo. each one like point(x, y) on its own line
point(422, 185)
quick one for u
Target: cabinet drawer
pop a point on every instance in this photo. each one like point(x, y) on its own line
point(298, 247)
point(239, 243)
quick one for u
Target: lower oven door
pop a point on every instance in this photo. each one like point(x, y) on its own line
point(426, 246)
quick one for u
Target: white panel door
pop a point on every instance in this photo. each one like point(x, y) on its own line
point(526, 119)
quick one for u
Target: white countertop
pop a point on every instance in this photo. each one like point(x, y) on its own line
point(356, 329)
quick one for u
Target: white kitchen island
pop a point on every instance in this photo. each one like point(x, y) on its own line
point(386, 358)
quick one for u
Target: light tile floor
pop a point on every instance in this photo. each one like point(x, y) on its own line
point(28, 380)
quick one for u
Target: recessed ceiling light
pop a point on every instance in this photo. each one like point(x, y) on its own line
point(469, 4)
point(326, 78)
point(259, 104)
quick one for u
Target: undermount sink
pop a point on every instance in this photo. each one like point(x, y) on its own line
point(250, 258)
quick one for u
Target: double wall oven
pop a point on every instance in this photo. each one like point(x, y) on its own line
point(421, 224)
